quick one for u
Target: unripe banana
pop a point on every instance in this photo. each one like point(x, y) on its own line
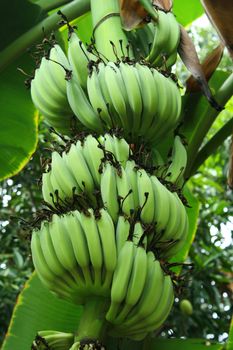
point(108, 187)
point(178, 162)
point(136, 284)
point(124, 191)
point(159, 315)
point(146, 196)
point(121, 279)
point(132, 175)
point(47, 189)
point(78, 167)
point(122, 232)
point(107, 237)
point(48, 90)
point(63, 248)
point(93, 155)
point(151, 294)
point(63, 176)
point(53, 340)
point(78, 57)
point(81, 106)
point(88, 223)
point(80, 246)
point(186, 307)
point(97, 98)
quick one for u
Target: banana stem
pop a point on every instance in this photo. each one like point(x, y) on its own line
point(72, 10)
point(212, 145)
point(205, 122)
point(52, 4)
point(108, 28)
point(93, 323)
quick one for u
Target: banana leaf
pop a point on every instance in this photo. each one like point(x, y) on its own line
point(38, 309)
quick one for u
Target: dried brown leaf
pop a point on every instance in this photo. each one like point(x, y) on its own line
point(132, 13)
point(189, 56)
point(220, 13)
point(209, 66)
point(163, 4)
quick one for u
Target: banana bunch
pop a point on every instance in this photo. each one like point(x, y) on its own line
point(52, 340)
point(78, 171)
point(157, 42)
point(141, 295)
point(75, 255)
point(48, 91)
point(134, 97)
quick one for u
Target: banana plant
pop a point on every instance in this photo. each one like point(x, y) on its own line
point(118, 217)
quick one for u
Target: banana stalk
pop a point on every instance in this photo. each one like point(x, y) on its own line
point(92, 325)
point(110, 40)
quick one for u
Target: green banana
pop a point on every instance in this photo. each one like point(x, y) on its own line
point(178, 162)
point(118, 95)
point(47, 189)
point(146, 196)
point(159, 315)
point(162, 212)
point(78, 167)
point(78, 57)
point(96, 97)
point(107, 237)
point(162, 33)
point(53, 340)
point(122, 232)
point(121, 278)
point(80, 247)
point(136, 284)
point(88, 223)
point(124, 191)
point(93, 155)
point(132, 84)
point(81, 106)
point(132, 175)
point(108, 188)
point(64, 249)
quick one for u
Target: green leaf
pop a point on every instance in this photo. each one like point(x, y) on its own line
point(193, 213)
point(179, 344)
point(162, 344)
point(187, 11)
point(199, 115)
point(38, 309)
point(230, 338)
point(17, 18)
point(84, 29)
point(18, 121)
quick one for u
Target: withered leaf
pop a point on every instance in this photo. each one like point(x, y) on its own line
point(163, 4)
point(209, 66)
point(132, 13)
point(135, 13)
point(220, 13)
point(189, 56)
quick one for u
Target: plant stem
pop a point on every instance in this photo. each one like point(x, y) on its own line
point(212, 145)
point(72, 10)
point(93, 323)
point(205, 123)
point(108, 28)
point(51, 4)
